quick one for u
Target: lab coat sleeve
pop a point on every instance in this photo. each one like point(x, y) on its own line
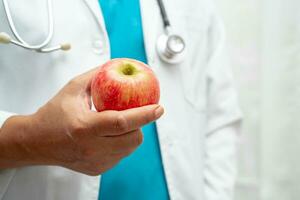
point(223, 120)
point(5, 175)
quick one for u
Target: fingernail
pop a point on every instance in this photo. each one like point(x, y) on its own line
point(158, 112)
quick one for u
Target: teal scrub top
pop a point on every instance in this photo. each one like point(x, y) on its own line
point(141, 175)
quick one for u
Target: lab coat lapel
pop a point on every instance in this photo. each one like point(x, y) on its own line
point(152, 26)
point(94, 7)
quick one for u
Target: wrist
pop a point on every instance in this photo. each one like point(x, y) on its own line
point(14, 147)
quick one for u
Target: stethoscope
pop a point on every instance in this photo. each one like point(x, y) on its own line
point(170, 47)
point(19, 41)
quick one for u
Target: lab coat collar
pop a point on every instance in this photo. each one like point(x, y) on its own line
point(151, 21)
point(152, 28)
point(94, 7)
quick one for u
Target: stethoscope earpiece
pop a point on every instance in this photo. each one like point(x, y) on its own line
point(65, 46)
point(4, 38)
point(18, 41)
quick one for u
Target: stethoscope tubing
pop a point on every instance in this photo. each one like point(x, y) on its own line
point(164, 14)
point(20, 41)
point(165, 50)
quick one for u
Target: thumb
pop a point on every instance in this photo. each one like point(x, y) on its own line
point(82, 85)
point(84, 80)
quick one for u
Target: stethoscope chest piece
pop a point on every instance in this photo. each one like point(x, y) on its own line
point(171, 48)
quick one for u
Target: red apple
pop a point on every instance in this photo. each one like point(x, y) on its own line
point(124, 83)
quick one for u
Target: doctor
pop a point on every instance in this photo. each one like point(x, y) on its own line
point(51, 142)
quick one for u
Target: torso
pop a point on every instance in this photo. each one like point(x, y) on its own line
point(29, 79)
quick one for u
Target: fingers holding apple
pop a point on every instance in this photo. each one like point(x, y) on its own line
point(113, 123)
point(65, 132)
point(125, 144)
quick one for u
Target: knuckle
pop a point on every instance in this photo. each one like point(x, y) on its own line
point(73, 81)
point(98, 167)
point(94, 172)
point(147, 117)
point(93, 169)
point(77, 127)
point(137, 139)
point(88, 153)
point(120, 123)
point(140, 138)
point(124, 153)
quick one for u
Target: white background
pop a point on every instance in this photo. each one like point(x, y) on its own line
point(264, 43)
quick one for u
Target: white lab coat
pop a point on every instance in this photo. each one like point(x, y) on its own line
point(198, 132)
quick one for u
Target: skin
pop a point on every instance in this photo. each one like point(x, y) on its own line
point(65, 132)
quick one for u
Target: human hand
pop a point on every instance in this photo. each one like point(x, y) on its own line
point(66, 132)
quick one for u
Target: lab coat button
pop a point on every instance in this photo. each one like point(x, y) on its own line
point(98, 44)
point(98, 47)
